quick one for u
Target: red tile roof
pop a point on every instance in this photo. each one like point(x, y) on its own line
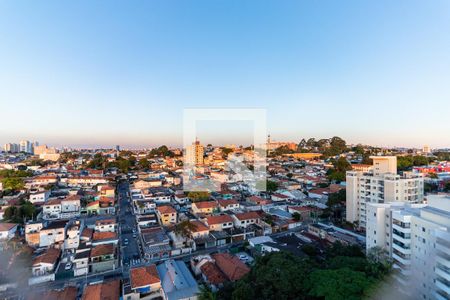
point(7, 226)
point(49, 257)
point(199, 226)
point(213, 273)
point(247, 216)
point(166, 209)
point(220, 219)
point(225, 203)
point(104, 249)
point(144, 276)
point(205, 204)
point(105, 291)
point(87, 233)
point(233, 268)
point(104, 235)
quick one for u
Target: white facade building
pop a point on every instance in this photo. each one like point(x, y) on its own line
point(417, 238)
point(380, 185)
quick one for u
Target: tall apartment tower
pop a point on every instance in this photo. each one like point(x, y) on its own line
point(26, 146)
point(12, 148)
point(194, 154)
point(417, 239)
point(380, 185)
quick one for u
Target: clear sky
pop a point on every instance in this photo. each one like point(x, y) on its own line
point(105, 73)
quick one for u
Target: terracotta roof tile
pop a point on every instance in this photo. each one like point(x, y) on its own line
point(233, 268)
point(104, 235)
point(105, 291)
point(247, 216)
point(220, 219)
point(103, 249)
point(144, 276)
point(213, 273)
point(166, 209)
point(205, 204)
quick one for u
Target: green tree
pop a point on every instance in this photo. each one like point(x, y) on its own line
point(206, 293)
point(13, 183)
point(338, 284)
point(184, 229)
point(271, 186)
point(296, 216)
point(198, 196)
point(278, 275)
point(144, 163)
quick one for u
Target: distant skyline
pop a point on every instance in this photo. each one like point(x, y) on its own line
point(91, 73)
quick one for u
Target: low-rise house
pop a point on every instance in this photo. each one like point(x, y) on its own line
point(181, 198)
point(109, 290)
point(106, 225)
point(86, 234)
point(70, 207)
point(147, 183)
point(166, 215)
point(106, 206)
point(45, 263)
point(81, 261)
point(105, 237)
point(7, 231)
point(219, 222)
point(72, 239)
point(103, 258)
point(32, 233)
point(279, 197)
point(177, 281)
point(227, 205)
point(245, 219)
point(201, 230)
point(213, 276)
point(106, 191)
point(84, 181)
point(258, 200)
point(66, 293)
point(93, 208)
point(155, 243)
point(144, 283)
point(39, 197)
point(146, 220)
point(204, 207)
point(52, 209)
point(53, 234)
point(231, 266)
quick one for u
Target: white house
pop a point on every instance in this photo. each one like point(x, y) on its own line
point(7, 231)
point(39, 197)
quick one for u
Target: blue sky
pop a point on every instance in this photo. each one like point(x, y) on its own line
point(104, 73)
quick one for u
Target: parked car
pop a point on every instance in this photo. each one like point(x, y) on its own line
point(68, 266)
point(125, 241)
point(243, 257)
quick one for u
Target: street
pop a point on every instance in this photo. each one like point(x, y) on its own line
point(129, 245)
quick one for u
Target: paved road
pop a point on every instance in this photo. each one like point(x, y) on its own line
point(130, 253)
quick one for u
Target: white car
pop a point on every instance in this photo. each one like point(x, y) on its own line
point(243, 257)
point(68, 266)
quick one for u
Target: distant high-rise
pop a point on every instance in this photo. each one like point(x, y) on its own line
point(117, 148)
point(26, 146)
point(11, 148)
point(194, 154)
point(426, 149)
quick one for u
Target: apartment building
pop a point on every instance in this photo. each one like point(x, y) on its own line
point(417, 238)
point(194, 154)
point(381, 184)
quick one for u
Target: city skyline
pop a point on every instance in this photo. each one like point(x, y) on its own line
point(127, 71)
